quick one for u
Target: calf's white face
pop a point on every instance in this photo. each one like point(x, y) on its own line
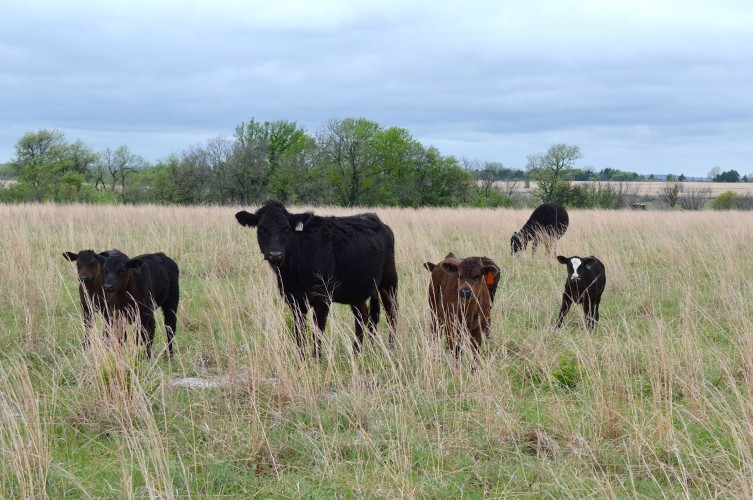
point(575, 263)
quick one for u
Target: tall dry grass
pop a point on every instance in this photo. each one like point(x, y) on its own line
point(655, 402)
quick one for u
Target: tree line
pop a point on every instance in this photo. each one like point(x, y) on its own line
point(347, 162)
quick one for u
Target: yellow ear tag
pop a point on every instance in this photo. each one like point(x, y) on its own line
point(489, 278)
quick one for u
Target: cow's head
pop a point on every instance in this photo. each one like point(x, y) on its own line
point(274, 225)
point(518, 243)
point(473, 277)
point(577, 267)
point(117, 272)
point(88, 264)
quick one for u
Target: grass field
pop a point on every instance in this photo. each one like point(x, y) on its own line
point(655, 402)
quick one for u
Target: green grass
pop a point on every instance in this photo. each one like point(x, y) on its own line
point(655, 402)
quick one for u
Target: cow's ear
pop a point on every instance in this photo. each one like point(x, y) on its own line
point(70, 256)
point(494, 270)
point(562, 259)
point(450, 256)
point(246, 218)
point(299, 221)
point(449, 266)
point(429, 266)
point(102, 257)
point(135, 264)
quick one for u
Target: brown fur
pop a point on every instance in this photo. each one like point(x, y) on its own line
point(460, 300)
point(91, 277)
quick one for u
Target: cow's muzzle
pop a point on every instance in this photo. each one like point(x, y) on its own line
point(275, 257)
point(84, 279)
point(465, 293)
point(109, 288)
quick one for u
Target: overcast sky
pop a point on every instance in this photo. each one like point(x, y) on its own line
point(648, 86)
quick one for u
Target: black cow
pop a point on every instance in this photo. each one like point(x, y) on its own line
point(586, 279)
point(91, 279)
point(547, 224)
point(320, 260)
point(137, 286)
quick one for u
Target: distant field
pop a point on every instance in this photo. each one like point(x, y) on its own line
point(654, 188)
point(656, 402)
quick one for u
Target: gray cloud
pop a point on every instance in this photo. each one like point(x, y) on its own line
point(649, 86)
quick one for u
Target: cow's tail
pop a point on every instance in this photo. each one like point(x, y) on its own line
point(374, 310)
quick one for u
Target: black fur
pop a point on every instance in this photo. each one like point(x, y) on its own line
point(320, 260)
point(547, 224)
point(586, 290)
point(138, 286)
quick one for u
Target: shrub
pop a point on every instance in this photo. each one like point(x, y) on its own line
point(728, 200)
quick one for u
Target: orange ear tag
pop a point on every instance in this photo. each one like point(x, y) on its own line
point(489, 278)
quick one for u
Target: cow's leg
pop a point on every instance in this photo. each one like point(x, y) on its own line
point(388, 294)
point(596, 309)
point(171, 324)
point(321, 311)
point(360, 312)
point(591, 310)
point(567, 302)
point(300, 309)
point(147, 331)
point(373, 313)
point(476, 337)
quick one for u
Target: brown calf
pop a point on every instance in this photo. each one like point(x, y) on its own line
point(460, 299)
point(89, 266)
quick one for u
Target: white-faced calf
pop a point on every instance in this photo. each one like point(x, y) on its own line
point(586, 279)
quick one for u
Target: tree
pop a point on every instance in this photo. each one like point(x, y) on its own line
point(552, 170)
point(728, 176)
point(268, 159)
point(119, 164)
point(695, 198)
point(345, 149)
point(218, 152)
point(671, 193)
point(49, 168)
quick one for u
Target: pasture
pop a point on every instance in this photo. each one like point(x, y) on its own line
point(656, 401)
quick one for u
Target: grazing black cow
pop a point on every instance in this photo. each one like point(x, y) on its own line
point(547, 224)
point(586, 279)
point(137, 286)
point(320, 260)
point(91, 279)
